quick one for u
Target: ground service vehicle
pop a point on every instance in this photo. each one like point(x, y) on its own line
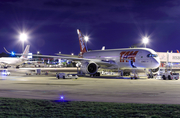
point(170, 76)
point(66, 76)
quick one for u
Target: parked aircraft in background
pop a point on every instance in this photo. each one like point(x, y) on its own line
point(15, 61)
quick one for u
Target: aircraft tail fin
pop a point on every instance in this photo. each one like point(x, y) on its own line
point(26, 51)
point(177, 51)
point(83, 46)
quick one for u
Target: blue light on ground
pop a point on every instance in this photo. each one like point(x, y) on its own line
point(62, 97)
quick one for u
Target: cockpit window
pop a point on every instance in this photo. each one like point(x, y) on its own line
point(152, 55)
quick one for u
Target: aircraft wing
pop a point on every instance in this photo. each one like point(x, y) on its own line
point(74, 58)
point(97, 61)
point(67, 55)
point(12, 53)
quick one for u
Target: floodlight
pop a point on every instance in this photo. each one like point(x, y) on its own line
point(23, 37)
point(145, 41)
point(86, 38)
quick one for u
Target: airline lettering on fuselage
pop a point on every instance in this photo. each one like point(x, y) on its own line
point(125, 56)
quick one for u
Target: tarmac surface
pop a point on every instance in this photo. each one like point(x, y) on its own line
point(100, 89)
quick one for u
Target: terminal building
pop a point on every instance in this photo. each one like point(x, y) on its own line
point(169, 60)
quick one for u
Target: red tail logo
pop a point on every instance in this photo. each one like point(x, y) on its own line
point(81, 42)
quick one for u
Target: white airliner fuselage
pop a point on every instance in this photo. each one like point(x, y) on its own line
point(11, 61)
point(126, 58)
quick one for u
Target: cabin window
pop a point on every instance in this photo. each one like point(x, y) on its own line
point(152, 55)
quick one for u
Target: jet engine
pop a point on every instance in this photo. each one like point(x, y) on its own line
point(89, 67)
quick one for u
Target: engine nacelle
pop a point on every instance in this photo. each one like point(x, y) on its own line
point(89, 67)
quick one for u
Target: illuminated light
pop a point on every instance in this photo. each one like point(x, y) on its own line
point(23, 37)
point(12, 53)
point(86, 38)
point(62, 97)
point(38, 52)
point(145, 40)
point(72, 53)
point(78, 31)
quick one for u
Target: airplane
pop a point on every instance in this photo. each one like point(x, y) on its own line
point(121, 59)
point(14, 61)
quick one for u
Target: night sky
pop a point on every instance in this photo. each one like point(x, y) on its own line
point(52, 25)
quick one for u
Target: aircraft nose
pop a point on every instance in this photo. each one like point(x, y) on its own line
point(156, 62)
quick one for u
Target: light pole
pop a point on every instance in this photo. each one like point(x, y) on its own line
point(145, 41)
point(38, 54)
point(23, 37)
point(86, 38)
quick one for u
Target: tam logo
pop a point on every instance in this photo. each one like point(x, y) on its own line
point(125, 56)
point(81, 43)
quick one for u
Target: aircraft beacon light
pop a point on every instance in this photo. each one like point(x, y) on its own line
point(12, 53)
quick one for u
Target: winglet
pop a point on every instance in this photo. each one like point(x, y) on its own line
point(6, 51)
point(83, 46)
